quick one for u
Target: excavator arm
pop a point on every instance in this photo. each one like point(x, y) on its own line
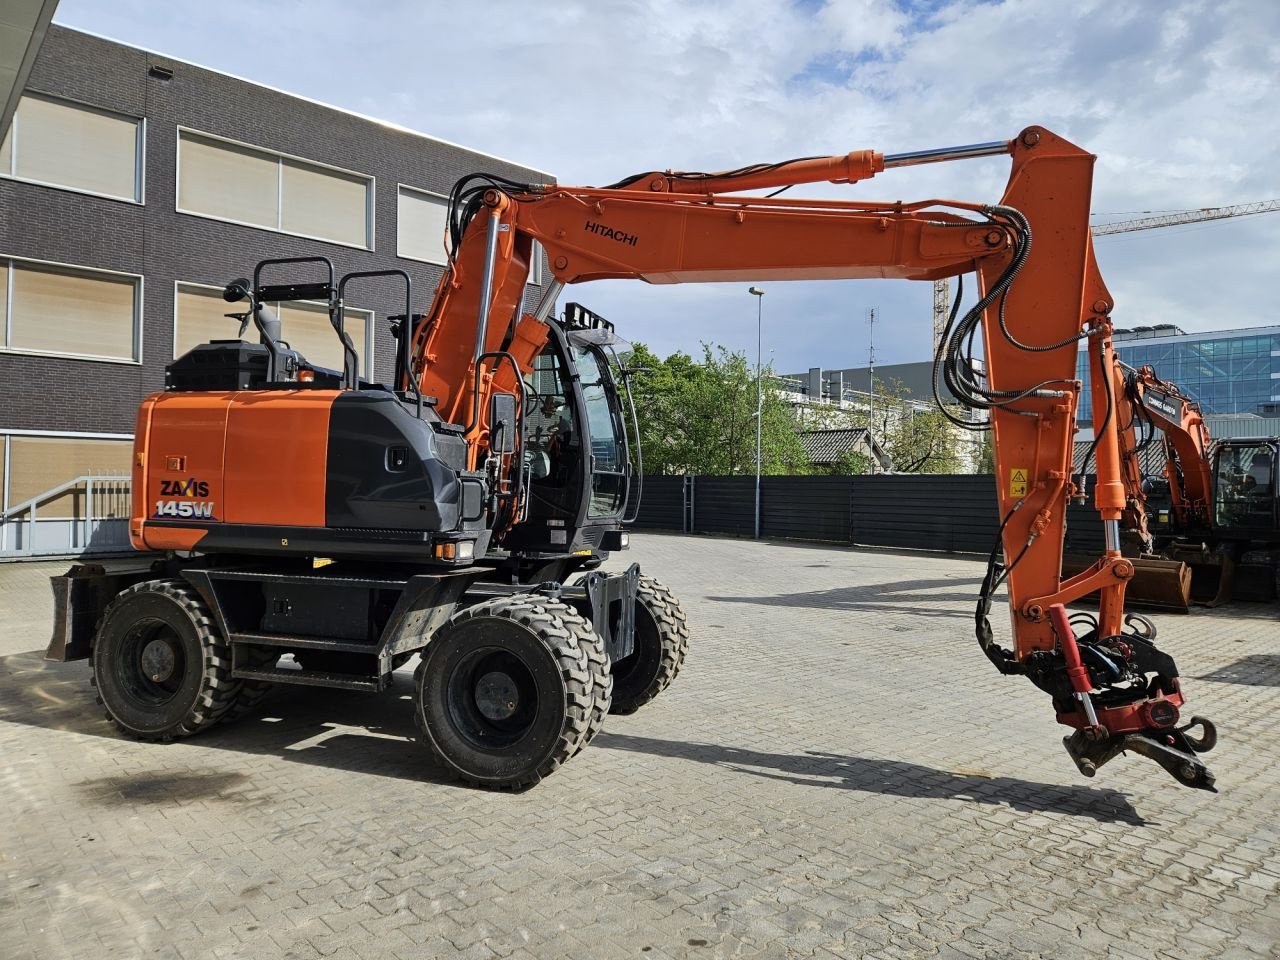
point(1039, 294)
point(1188, 463)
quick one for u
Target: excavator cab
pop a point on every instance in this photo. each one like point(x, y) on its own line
point(1244, 496)
point(576, 453)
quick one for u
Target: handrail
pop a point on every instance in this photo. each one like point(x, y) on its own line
point(25, 517)
point(27, 505)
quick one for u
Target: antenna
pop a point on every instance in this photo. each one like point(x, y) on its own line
point(941, 303)
point(871, 364)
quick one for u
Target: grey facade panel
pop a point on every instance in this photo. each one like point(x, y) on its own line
point(915, 378)
point(46, 223)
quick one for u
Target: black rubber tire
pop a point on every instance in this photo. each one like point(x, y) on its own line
point(168, 617)
point(252, 692)
point(536, 640)
point(592, 644)
point(662, 641)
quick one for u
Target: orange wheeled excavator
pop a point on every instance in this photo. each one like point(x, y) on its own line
point(285, 508)
point(1216, 500)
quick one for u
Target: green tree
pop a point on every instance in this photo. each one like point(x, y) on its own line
point(986, 455)
point(922, 441)
point(699, 417)
point(918, 440)
point(851, 463)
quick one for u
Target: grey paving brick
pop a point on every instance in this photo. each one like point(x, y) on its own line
point(825, 779)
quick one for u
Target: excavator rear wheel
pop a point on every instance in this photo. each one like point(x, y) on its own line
point(592, 644)
point(662, 641)
point(504, 691)
point(252, 692)
point(159, 665)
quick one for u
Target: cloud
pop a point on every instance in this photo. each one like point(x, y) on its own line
point(1176, 98)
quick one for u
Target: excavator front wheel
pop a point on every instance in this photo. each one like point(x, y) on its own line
point(662, 641)
point(160, 667)
point(504, 691)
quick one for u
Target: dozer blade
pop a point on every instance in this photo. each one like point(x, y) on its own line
point(1156, 584)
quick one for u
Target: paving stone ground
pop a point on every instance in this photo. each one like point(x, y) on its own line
point(838, 772)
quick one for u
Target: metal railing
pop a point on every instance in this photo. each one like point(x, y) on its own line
point(89, 514)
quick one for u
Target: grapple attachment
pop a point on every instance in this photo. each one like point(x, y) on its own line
point(1172, 749)
point(1121, 693)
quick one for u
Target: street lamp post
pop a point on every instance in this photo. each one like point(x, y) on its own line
point(759, 295)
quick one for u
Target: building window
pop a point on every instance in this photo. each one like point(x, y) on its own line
point(199, 316)
point(306, 326)
point(231, 181)
point(67, 145)
point(420, 225)
point(421, 218)
point(34, 465)
point(49, 308)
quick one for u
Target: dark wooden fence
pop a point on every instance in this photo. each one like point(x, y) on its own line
point(929, 512)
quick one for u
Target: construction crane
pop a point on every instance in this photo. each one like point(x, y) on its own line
point(1173, 218)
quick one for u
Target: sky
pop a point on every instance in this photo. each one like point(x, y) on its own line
point(1177, 98)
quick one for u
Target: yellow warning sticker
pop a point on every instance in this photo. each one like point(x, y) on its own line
point(1018, 482)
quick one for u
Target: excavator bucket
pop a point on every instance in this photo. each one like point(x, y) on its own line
point(1160, 585)
point(1231, 573)
point(1156, 584)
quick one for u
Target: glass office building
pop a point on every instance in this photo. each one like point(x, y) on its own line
point(1227, 371)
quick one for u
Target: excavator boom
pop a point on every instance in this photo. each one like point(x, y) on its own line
point(1039, 295)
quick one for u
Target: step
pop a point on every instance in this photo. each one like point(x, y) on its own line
point(311, 678)
point(302, 643)
point(316, 576)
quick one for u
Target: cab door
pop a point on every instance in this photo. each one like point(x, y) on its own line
point(1244, 490)
point(610, 466)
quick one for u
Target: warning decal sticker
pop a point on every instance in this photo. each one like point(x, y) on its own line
point(1018, 482)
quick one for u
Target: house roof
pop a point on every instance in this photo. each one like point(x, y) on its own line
point(826, 446)
point(1151, 460)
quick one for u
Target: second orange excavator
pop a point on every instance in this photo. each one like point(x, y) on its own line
point(1214, 501)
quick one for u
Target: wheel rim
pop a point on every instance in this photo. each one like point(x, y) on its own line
point(153, 665)
point(492, 697)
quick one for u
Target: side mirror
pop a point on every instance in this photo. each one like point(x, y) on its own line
point(237, 290)
point(502, 423)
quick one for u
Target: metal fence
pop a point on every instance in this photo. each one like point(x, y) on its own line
point(954, 513)
point(89, 514)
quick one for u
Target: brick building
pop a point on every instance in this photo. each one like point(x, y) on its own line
point(134, 185)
